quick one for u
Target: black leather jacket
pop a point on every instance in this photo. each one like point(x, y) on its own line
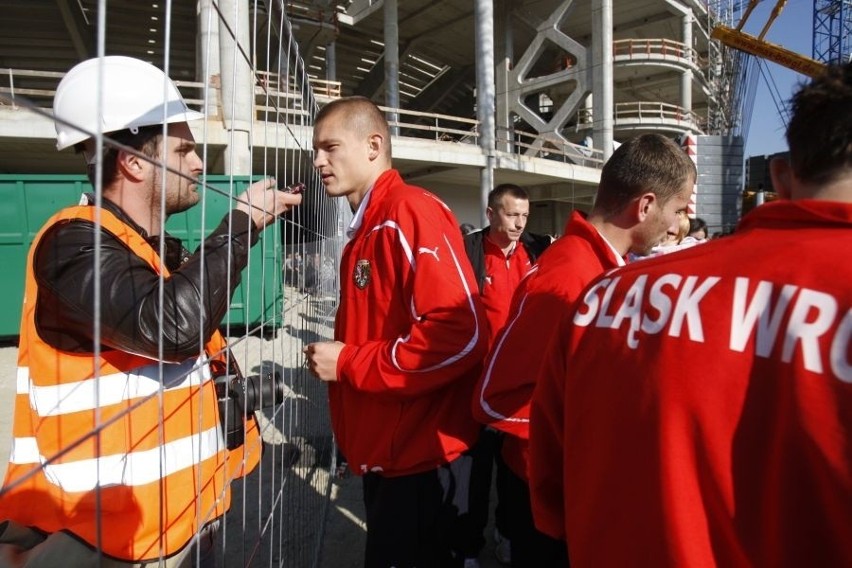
point(130, 289)
point(474, 245)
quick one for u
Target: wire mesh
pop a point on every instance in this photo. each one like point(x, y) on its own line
point(259, 106)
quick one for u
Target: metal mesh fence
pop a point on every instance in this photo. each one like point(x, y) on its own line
point(259, 103)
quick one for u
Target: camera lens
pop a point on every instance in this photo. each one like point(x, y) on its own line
point(261, 391)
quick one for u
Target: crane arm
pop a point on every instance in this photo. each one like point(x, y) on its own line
point(738, 39)
point(767, 50)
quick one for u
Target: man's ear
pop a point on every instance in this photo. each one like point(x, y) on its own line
point(376, 143)
point(643, 205)
point(489, 214)
point(131, 166)
point(782, 176)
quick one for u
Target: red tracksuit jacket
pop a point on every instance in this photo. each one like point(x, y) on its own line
point(415, 335)
point(503, 393)
point(697, 407)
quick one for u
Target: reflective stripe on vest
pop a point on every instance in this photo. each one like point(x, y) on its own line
point(124, 438)
point(134, 468)
point(52, 400)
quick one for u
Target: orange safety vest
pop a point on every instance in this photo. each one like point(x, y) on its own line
point(122, 451)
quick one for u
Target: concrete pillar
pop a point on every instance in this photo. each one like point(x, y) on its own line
point(207, 56)
point(485, 99)
point(508, 32)
point(331, 62)
point(686, 77)
point(237, 85)
point(602, 76)
point(392, 61)
point(504, 61)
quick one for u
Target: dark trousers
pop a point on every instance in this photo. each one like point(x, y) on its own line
point(485, 454)
point(412, 520)
point(529, 546)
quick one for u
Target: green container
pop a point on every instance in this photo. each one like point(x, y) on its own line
point(27, 201)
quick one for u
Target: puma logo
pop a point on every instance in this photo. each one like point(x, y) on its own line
point(433, 252)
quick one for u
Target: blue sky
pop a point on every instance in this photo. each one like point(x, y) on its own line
point(793, 29)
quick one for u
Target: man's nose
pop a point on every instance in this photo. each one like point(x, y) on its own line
point(196, 163)
point(674, 228)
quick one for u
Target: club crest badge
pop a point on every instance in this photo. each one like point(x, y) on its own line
point(361, 275)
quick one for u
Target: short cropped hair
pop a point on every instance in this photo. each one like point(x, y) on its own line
point(146, 140)
point(645, 163)
point(363, 116)
point(495, 196)
point(820, 130)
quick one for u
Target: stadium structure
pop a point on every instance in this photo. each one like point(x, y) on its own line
point(535, 92)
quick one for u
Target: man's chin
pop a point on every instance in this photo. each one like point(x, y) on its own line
point(644, 251)
point(334, 190)
point(191, 200)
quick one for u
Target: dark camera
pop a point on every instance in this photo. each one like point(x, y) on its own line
point(240, 396)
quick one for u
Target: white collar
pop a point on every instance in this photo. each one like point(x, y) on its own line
point(358, 218)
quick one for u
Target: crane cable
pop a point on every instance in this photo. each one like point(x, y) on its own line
point(774, 92)
point(748, 86)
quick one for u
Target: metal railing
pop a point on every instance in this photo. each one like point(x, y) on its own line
point(13, 83)
point(277, 101)
point(645, 49)
point(438, 127)
point(549, 147)
point(21, 83)
point(323, 89)
point(657, 112)
point(650, 113)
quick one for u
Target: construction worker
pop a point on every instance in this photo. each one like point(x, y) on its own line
point(694, 409)
point(118, 456)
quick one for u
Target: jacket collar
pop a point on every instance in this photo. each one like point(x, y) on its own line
point(578, 226)
point(378, 190)
point(175, 255)
point(801, 213)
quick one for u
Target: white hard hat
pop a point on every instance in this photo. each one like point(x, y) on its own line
point(135, 94)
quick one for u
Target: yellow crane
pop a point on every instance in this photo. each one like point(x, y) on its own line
point(738, 39)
